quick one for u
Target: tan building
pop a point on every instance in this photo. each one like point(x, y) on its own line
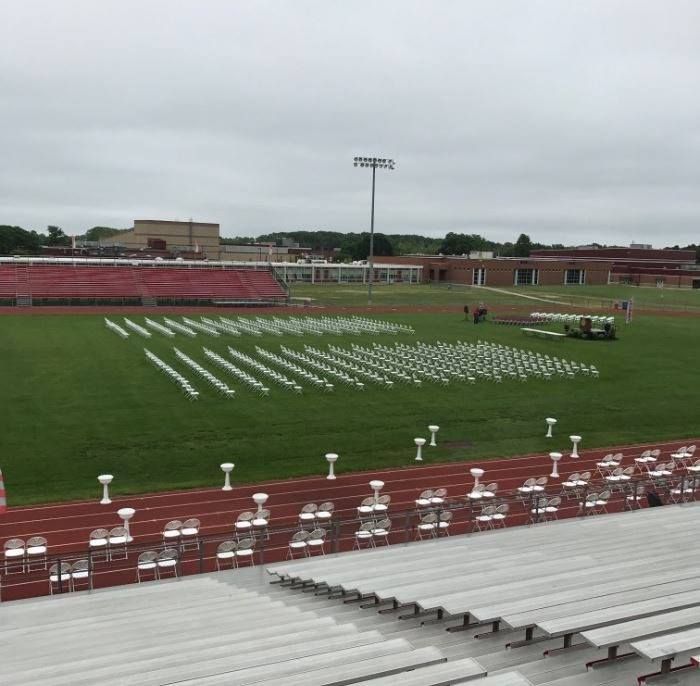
point(158, 235)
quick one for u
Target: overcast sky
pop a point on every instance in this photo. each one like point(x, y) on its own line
point(572, 121)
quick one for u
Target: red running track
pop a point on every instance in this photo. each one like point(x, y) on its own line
point(67, 525)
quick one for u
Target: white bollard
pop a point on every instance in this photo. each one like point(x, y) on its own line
point(260, 499)
point(332, 458)
point(105, 480)
point(227, 468)
point(477, 473)
point(550, 424)
point(555, 457)
point(575, 440)
point(376, 486)
point(420, 442)
point(433, 428)
point(126, 513)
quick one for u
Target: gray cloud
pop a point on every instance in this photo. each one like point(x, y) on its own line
point(574, 121)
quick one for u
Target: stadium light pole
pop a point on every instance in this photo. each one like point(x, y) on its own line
point(374, 163)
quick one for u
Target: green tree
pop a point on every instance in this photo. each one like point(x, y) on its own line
point(14, 240)
point(98, 232)
point(57, 237)
point(382, 247)
point(523, 246)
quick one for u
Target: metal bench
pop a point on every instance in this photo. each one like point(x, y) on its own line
point(665, 648)
point(440, 674)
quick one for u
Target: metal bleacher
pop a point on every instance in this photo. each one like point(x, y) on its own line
point(631, 577)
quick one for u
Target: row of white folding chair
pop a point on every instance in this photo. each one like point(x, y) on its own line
point(483, 491)
point(20, 556)
point(145, 333)
point(180, 328)
point(433, 525)
point(235, 551)
point(222, 326)
point(491, 517)
point(184, 384)
point(295, 369)
point(112, 544)
point(63, 576)
point(255, 523)
point(182, 534)
point(306, 542)
point(282, 380)
point(312, 514)
point(431, 498)
point(596, 503)
point(205, 374)
point(545, 509)
point(574, 484)
point(156, 326)
point(157, 563)
point(116, 328)
point(201, 327)
point(372, 531)
point(250, 381)
point(370, 507)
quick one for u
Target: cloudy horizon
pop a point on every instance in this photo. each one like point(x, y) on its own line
point(572, 122)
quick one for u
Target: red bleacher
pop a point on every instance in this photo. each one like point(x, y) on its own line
point(48, 282)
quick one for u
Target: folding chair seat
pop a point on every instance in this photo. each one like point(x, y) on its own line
point(694, 468)
point(382, 504)
point(244, 523)
point(298, 543)
point(14, 550)
point(172, 532)
point(60, 577)
point(540, 484)
point(485, 518)
point(570, 487)
point(118, 539)
point(498, 518)
point(308, 514)
point(316, 541)
point(427, 526)
point(261, 523)
point(490, 490)
point(189, 534)
point(226, 550)
point(325, 512)
point(147, 563)
point(364, 535)
point(438, 497)
point(366, 508)
point(99, 542)
point(167, 560)
point(36, 550)
point(528, 487)
point(80, 571)
point(477, 492)
point(381, 531)
point(423, 500)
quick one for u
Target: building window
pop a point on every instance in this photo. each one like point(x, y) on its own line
point(479, 276)
point(526, 277)
point(575, 277)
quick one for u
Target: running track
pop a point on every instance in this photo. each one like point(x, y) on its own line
point(67, 525)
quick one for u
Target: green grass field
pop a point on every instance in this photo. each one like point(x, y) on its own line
point(78, 401)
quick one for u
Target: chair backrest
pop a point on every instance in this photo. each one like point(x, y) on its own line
point(13, 544)
point(383, 524)
point(174, 525)
point(591, 497)
point(554, 502)
point(326, 507)
point(618, 457)
point(367, 526)
point(99, 533)
point(488, 510)
point(690, 450)
point(383, 500)
point(148, 556)
point(585, 476)
point(317, 534)
point(617, 471)
point(655, 452)
point(80, 566)
point(542, 481)
point(645, 453)
point(65, 568)
point(430, 518)
point(608, 458)
point(300, 536)
point(492, 488)
point(118, 532)
point(36, 542)
point(367, 502)
point(425, 495)
point(246, 544)
point(446, 516)
point(604, 495)
point(168, 554)
point(309, 507)
point(529, 483)
point(573, 478)
point(263, 514)
point(193, 523)
point(246, 517)
point(628, 471)
point(439, 493)
point(226, 547)
point(503, 508)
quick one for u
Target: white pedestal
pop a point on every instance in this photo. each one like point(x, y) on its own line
point(575, 440)
point(376, 486)
point(126, 513)
point(420, 442)
point(477, 473)
point(332, 458)
point(260, 499)
point(105, 480)
point(227, 468)
point(550, 424)
point(433, 428)
point(555, 457)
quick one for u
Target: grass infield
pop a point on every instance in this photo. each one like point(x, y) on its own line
point(78, 401)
